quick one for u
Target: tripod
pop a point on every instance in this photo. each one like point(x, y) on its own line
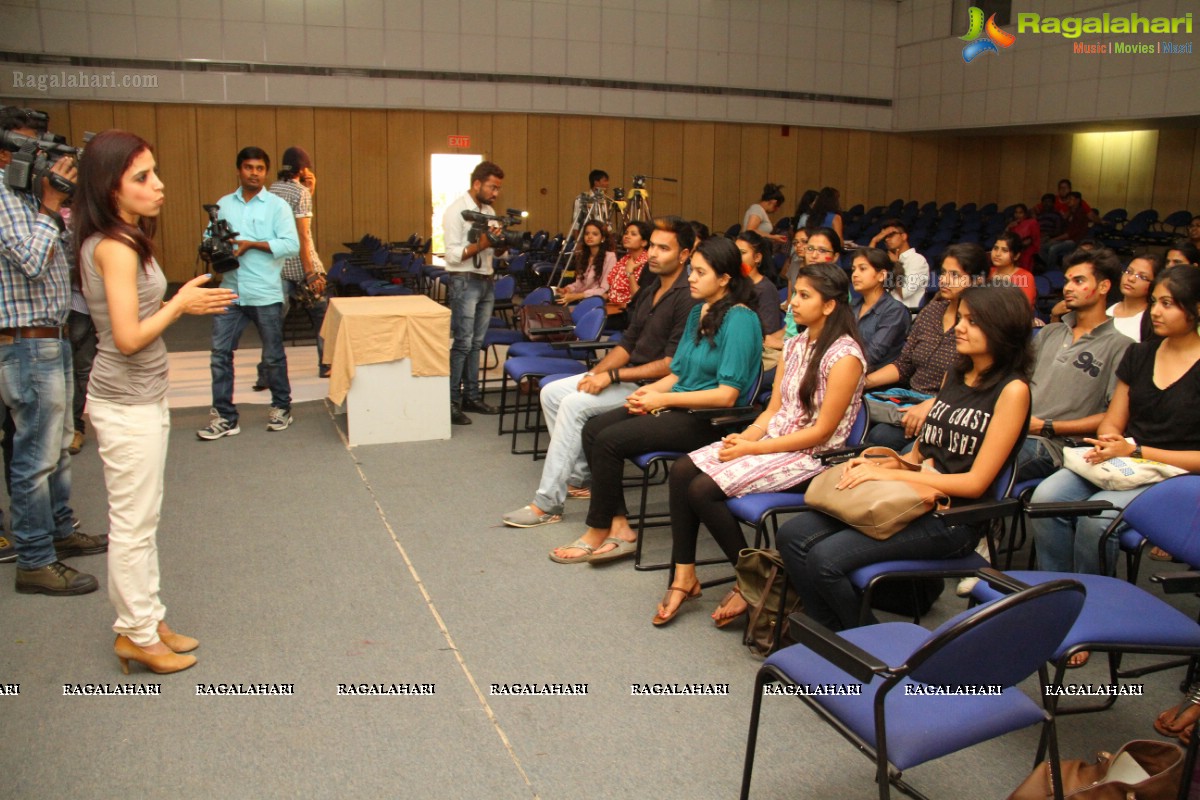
point(593, 207)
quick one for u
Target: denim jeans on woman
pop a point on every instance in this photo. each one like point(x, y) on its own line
point(820, 552)
point(1072, 544)
point(36, 385)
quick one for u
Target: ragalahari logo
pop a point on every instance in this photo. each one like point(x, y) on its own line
point(994, 36)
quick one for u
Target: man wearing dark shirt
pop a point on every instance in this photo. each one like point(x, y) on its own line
point(657, 319)
point(1054, 250)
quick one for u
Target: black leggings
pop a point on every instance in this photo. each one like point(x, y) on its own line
point(696, 498)
point(611, 437)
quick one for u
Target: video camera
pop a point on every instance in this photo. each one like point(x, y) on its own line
point(481, 225)
point(217, 249)
point(34, 156)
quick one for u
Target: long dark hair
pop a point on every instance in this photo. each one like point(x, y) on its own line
point(723, 256)
point(759, 245)
point(830, 281)
point(109, 155)
point(1183, 282)
point(583, 261)
point(772, 191)
point(827, 202)
point(1006, 318)
point(804, 206)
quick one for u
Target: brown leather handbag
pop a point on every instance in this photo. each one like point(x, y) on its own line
point(1144, 769)
point(877, 508)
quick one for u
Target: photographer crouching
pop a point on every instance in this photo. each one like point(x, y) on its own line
point(471, 289)
point(36, 380)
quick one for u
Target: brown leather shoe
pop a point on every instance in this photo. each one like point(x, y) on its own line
point(80, 544)
point(176, 641)
point(55, 579)
point(76, 443)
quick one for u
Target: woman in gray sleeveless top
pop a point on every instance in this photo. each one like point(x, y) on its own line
point(115, 210)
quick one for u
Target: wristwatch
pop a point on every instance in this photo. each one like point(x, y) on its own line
point(1048, 428)
point(1137, 451)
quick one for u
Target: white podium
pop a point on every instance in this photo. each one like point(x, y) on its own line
point(387, 404)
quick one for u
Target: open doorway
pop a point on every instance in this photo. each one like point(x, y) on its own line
point(449, 177)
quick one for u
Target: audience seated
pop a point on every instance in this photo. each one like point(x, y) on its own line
point(1026, 227)
point(1075, 364)
point(755, 252)
point(976, 422)
point(1153, 404)
point(930, 348)
point(1062, 201)
point(592, 262)
point(657, 319)
point(1005, 252)
point(826, 211)
point(883, 321)
point(1129, 313)
point(1183, 253)
point(1055, 248)
point(911, 274)
point(1193, 234)
point(823, 246)
point(815, 399)
point(795, 261)
point(800, 218)
point(1050, 222)
point(624, 279)
point(758, 216)
point(716, 365)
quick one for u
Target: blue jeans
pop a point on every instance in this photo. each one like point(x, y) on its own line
point(227, 329)
point(36, 385)
point(1072, 544)
point(885, 434)
point(471, 300)
point(1035, 460)
point(820, 552)
point(566, 410)
point(316, 316)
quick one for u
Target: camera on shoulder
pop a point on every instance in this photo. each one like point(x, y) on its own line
point(34, 156)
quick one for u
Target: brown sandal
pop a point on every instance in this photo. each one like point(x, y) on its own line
point(688, 594)
point(734, 592)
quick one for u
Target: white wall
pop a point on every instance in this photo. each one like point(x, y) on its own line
point(1039, 79)
point(838, 48)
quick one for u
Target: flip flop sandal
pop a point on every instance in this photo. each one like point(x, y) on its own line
point(1158, 554)
point(578, 544)
point(721, 623)
point(621, 549)
point(688, 594)
point(1078, 660)
point(582, 493)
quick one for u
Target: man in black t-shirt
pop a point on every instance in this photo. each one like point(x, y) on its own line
point(657, 319)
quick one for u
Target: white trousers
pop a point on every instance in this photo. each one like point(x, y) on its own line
point(133, 446)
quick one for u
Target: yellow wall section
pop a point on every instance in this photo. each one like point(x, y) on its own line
point(373, 165)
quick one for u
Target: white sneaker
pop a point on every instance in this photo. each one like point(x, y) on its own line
point(278, 419)
point(217, 427)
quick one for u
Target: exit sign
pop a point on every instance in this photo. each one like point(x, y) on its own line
point(460, 141)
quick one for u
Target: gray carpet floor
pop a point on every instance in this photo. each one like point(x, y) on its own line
point(296, 560)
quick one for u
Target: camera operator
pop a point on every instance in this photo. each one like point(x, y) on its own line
point(471, 290)
point(597, 186)
point(267, 231)
point(36, 379)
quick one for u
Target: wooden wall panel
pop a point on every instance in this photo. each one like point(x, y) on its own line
point(335, 223)
point(924, 169)
point(858, 171)
point(374, 165)
point(574, 151)
point(182, 219)
point(666, 197)
point(727, 166)
point(510, 150)
point(1173, 175)
point(1142, 148)
point(406, 172)
point(698, 178)
point(544, 205)
point(368, 154)
point(899, 167)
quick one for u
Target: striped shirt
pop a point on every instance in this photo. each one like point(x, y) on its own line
point(35, 286)
point(299, 198)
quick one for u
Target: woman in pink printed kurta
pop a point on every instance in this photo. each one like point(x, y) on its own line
point(816, 396)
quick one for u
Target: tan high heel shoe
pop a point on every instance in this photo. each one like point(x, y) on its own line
point(161, 663)
point(176, 641)
point(688, 594)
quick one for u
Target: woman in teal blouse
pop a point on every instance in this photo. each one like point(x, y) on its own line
point(715, 365)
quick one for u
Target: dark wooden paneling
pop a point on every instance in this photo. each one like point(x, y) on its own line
point(336, 222)
point(182, 219)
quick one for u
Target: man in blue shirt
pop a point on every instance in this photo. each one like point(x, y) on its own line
point(36, 379)
point(267, 236)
